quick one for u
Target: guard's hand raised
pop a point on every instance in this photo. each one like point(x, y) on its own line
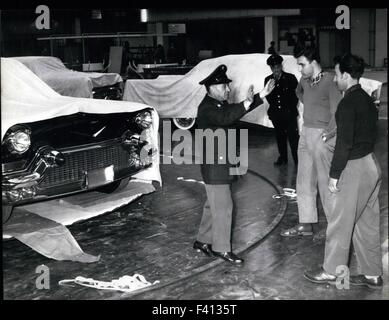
point(268, 88)
point(250, 93)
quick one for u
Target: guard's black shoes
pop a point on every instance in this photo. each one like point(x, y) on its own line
point(228, 256)
point(204, 247)
point(299, 230)
point(280, 161)
point(361, 280)
point(320, 276)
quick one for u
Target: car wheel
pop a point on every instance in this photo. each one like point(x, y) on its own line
point(184, 123)
point(115, 186)
point(6, 213)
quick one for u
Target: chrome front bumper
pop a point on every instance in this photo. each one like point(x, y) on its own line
point(54, 173)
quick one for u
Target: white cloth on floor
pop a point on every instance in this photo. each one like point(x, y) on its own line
point(124, 284)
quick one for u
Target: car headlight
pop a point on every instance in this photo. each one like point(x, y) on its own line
point(133, 142)
point(19, 141)
point(144, 119)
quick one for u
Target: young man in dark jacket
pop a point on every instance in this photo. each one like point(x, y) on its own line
point(354, 183)
point(216, 115)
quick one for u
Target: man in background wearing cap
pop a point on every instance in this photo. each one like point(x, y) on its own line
point(283, 109)
point(215, 113)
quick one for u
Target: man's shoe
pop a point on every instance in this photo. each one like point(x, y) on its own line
point(321, 235)
point(228, 256)
point(204, 247)
point(280, 161)
point(320, 276)
point(361, 280)
point(299, 230)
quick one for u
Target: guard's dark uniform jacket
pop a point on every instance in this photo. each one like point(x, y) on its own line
point(283, 114)
point(283, 97)
point(213, 114)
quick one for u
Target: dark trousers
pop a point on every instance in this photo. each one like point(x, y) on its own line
point(286, 128)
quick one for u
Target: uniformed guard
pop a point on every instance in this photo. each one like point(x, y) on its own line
point(215, 113)
point(283, 109)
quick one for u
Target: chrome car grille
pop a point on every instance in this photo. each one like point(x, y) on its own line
point(79, 162)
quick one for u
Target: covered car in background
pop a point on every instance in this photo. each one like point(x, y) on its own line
point(72, 83)
point(178, 96)
point(54, 145)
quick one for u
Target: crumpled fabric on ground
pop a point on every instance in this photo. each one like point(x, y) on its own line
point(45, 236)
point(124, 284)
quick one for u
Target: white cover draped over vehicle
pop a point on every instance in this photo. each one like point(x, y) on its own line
point(26, 98)
point(65, 81)
point(179, 96)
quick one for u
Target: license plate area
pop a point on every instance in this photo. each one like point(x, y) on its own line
point(99, 177)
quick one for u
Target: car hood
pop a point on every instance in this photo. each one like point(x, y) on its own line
point(25, 98)
point(65, 81)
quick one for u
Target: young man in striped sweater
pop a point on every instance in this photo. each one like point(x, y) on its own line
point(320, 96)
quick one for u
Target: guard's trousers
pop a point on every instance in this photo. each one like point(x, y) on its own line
point(215, 226)
point(355, 214)
point(286, 128)
point(314, 164)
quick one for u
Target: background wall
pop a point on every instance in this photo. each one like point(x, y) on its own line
point(218, 30)
point(360, 33)
point(381, 37)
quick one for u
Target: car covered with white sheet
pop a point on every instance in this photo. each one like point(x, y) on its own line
point(67, 82)
point(178, 96)
point(54, 145)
